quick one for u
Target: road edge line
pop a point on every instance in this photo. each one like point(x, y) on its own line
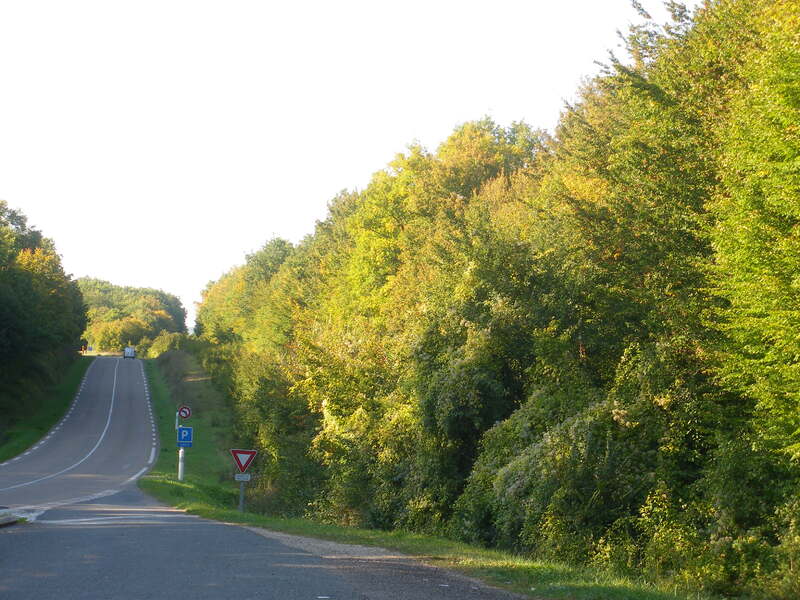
point(92, 451)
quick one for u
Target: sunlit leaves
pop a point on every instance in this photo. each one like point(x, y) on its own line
point(576, 345)
point(121, 316)
point(758, 235)
point(41, 313)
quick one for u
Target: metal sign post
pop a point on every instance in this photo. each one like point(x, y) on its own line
point(241, 489)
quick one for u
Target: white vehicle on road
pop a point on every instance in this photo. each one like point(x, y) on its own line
point(129, 352)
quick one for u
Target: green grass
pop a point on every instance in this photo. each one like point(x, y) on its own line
point(208, 475)
point(208, 490)
point(30, 428)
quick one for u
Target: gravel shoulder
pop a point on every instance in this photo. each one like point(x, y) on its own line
point(389, 572)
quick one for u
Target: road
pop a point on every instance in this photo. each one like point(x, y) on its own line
point(93, 534)
point(105, 441)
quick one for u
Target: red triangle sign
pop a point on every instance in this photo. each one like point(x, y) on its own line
point(243, 458)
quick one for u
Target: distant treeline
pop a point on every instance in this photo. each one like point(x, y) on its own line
point(583, 345)
point(41, 316)
point(120, 316)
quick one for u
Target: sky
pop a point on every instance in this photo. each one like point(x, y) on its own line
point(160, 142)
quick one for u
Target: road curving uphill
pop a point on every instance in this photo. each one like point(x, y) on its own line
point(105, 441)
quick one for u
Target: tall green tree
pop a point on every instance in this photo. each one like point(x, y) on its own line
point(42, 315)
point(756, 237)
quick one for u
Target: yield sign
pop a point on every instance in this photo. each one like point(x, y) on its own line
point(243, 458)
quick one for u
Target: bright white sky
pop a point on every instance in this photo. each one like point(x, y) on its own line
point(159, 142)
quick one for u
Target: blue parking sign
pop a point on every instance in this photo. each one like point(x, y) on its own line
point(184, 437)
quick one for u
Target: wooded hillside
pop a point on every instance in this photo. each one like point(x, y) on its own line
point(123, 315)
point(580, 345)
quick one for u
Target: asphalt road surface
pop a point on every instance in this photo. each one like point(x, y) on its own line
point(105, 441)
point(92, 534)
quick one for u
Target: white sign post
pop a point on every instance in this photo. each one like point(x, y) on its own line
point(181, 463)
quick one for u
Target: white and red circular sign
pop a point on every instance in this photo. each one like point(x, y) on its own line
point(184, 412)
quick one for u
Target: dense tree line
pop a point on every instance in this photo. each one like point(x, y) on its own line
point(581, 345)
point(120, 315)
point(42, 315)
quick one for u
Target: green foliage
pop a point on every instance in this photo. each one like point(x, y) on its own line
point(580, 346)
point(41, 317)
point(121, 316)
point(163, 343)
point(758, 254)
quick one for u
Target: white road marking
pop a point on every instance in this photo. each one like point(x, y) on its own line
point(135, 477)
point(92, 451)
point(102, 520)
point(33, 511)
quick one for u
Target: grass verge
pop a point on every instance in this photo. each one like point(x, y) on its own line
point(174, 380)
point(208, 490)
point(30, 429)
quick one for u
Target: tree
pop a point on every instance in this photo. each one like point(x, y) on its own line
point(120, 315)
point(41, 315)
